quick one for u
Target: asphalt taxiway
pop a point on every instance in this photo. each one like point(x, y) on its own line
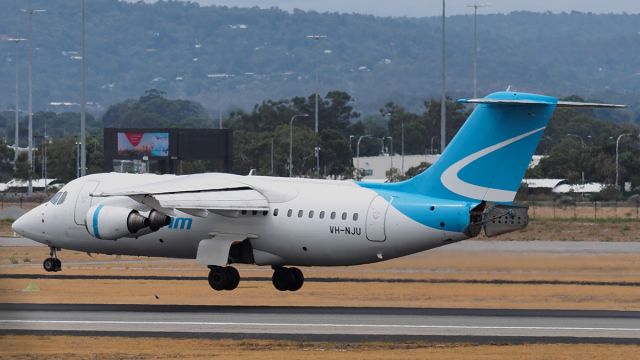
point(324, 323)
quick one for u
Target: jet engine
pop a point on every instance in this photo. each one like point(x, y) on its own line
point(114, 222)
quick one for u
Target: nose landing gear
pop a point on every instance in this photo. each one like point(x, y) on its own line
point(52, 263)
point(287, 279)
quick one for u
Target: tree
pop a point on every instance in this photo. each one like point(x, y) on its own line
point(22, 166)
point(335, 158)
point(6, 161)
point(61, 163)
point(153, 109)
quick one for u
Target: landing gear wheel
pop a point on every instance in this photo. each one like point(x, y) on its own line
point(49, 264)
point(232, 278)
point(223, 278)
point(287, 279)
point(58, 264)
point(217, 278)
point(52, 263)
point(281, 278)
point(298, 279)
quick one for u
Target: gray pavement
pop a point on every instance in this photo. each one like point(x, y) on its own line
point(567, 247)
point(310, 322)
point(18, 241)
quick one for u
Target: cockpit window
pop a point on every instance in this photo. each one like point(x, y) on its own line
point(55, 197)
point(58, 198)
point(61, 200)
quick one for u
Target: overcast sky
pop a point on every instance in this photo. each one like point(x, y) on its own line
point(434, 7)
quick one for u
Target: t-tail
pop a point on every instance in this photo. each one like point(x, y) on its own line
point(491, 152)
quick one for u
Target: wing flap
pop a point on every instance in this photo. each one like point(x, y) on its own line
point(194, 193)
point(243, 199)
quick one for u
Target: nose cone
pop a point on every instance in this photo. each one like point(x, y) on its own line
point(26, 224)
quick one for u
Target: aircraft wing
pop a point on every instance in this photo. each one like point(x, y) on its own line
point(194, 194)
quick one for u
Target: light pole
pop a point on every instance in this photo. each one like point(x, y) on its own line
point(475, 46)
point(317, 147)
point(30, 13)
point(272, 141)
point(443, 99)
point(583, 147)
point(350, 149)
point(358, 150)
point(433, 137)
point(17, 130)
point(617, 144)
point(390, 151)
point(44, 155)
point(291, 142)
point(83, 101)
point(77, 145)
point(401, 138)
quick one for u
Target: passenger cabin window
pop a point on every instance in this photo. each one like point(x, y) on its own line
point(321, 214)
point(300, 213)
point(254, 212)
point(344, 216)
point(289, 212)
point(311, 214)
point(333, 215)
point(355, 216)
point(275, 212)
point(244, 212)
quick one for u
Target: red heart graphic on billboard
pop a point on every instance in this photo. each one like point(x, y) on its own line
point(134, 138)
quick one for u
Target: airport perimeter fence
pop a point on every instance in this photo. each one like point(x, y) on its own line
point(584, 210)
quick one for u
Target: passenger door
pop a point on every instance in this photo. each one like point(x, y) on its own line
point(376, 215)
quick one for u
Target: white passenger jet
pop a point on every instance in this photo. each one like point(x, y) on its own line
point(222, 219)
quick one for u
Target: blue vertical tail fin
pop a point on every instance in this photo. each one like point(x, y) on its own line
point(489, 155)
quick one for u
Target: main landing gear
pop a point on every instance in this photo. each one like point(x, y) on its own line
point(228, 278)
point(290, 279)
point(223, 278)
point(52, 263)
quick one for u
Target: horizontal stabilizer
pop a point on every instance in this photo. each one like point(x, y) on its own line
point(505, 101)
point(573, 104)
point(568, 104)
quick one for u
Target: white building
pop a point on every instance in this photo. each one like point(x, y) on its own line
point(375, 167)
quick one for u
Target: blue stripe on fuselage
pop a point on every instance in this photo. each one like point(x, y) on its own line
point(96, 232)
point(426, 210)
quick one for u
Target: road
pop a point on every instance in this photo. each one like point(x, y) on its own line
point(324, 323)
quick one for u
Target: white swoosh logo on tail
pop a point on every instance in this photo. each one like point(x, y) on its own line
point(452, 181)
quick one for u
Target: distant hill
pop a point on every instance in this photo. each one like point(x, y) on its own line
point(232, 57)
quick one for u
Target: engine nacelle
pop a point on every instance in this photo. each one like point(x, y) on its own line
point(114, 222)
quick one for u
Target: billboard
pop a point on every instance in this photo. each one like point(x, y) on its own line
point(138, 144)
point(168, 146)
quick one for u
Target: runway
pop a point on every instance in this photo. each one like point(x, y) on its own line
point(528, 246)
point(325, 323)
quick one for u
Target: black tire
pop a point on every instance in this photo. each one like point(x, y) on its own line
point(298, 279)
point(282, 278)
point(58, 264)
point(232, 278)
point(217, 278)
point(49, 264)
